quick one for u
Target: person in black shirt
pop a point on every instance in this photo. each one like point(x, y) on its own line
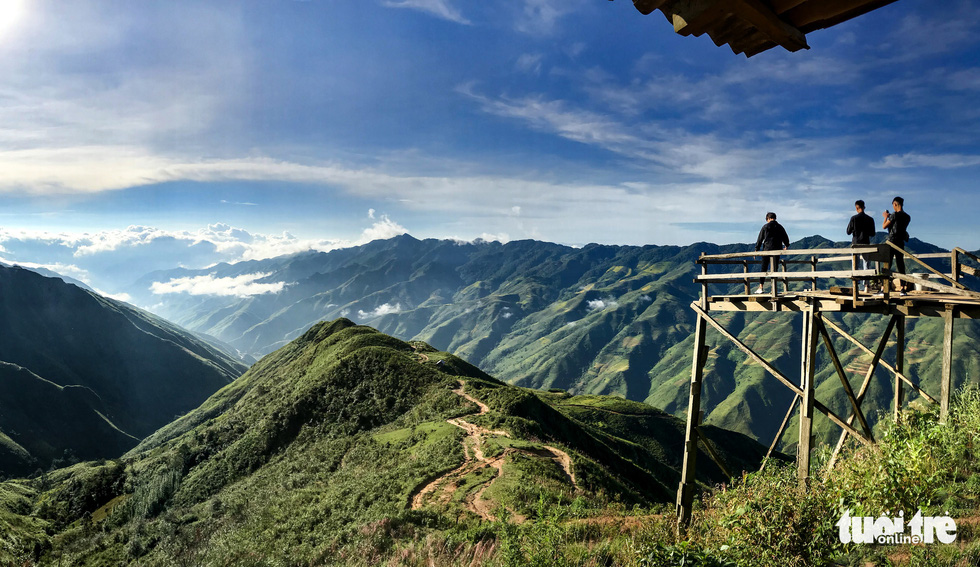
point(861, 228)
point(771, 237)
point(897, 224)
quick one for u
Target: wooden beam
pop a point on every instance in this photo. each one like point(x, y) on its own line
point(792, 252)
point(970, 255)
point(794, 276)
point(962, 291)
point(780, 6)
point(685, 490)
point(899, 364)
point(690, 16)
point(779, 433)
point(803, 446)
point(855, 404)
point(867, 379)
point(812, 15)
point(779, 375)
point(706, 443)
point(947, 376)
point(741, 346)
point(914, 258)
point(763, 19)
point(883, 363)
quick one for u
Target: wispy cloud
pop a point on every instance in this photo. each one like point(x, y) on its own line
point(440, 8)
point(244, 285)
point(940, 161)
point(542, 16)
point(529, 63)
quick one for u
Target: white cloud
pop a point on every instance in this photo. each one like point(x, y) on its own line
point(370, 213)
point(69, 270)
point(646, 298)
point(383, 309)
point(941, 161)
point(383, 229)
point(599, 304)
point(530, 63)
point(507, 315)
point(542, 16)
point(439, 8)
point(117, 296)
point(244, 285)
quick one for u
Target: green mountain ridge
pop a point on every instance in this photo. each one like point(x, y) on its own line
point(592, 320)
point(85, 377)
point(340, 430)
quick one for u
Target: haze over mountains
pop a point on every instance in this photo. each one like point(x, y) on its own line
point(593, 320)
point(85, 377)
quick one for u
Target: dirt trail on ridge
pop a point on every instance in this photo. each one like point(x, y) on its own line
point(474, 459)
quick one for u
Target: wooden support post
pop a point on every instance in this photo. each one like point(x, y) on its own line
point(806, 407)
point(685, 491)
point(955, 263)
point(947, 378)
point(704, 285)
point(899, 363)
point(854, 281)
point(745, 270)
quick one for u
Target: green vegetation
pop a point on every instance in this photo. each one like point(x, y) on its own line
point(345, 447)
point(85, 377)
point(349, 447)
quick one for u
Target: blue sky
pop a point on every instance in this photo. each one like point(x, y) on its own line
point(326, 122)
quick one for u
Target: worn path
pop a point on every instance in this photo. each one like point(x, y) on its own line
point(474, 460)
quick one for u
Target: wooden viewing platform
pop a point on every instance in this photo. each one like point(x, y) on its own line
point(814, 282)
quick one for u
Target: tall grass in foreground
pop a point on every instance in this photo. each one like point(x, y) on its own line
point(919, 463)
point(763, 519)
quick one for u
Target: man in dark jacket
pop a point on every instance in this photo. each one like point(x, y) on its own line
point(861, 228)
point(897, 224)
point(771, 237)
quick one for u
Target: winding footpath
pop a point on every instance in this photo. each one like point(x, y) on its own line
point(441, 488)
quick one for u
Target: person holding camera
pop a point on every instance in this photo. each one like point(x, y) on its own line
point(897, 224)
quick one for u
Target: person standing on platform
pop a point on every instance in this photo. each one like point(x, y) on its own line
point(861, 228)
point(771, 237)
point(897, 224)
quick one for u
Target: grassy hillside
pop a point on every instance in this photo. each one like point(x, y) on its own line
point(84, 377)
point(349, 446)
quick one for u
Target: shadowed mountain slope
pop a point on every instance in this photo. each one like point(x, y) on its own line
point(83, 376)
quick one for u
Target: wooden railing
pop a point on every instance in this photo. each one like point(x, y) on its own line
point(878, 272)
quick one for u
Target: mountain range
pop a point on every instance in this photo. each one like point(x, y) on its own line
point(86, 377)
point(599, 319)
point(342, 436)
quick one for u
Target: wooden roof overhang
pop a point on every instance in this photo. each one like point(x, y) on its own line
point(753, 26)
